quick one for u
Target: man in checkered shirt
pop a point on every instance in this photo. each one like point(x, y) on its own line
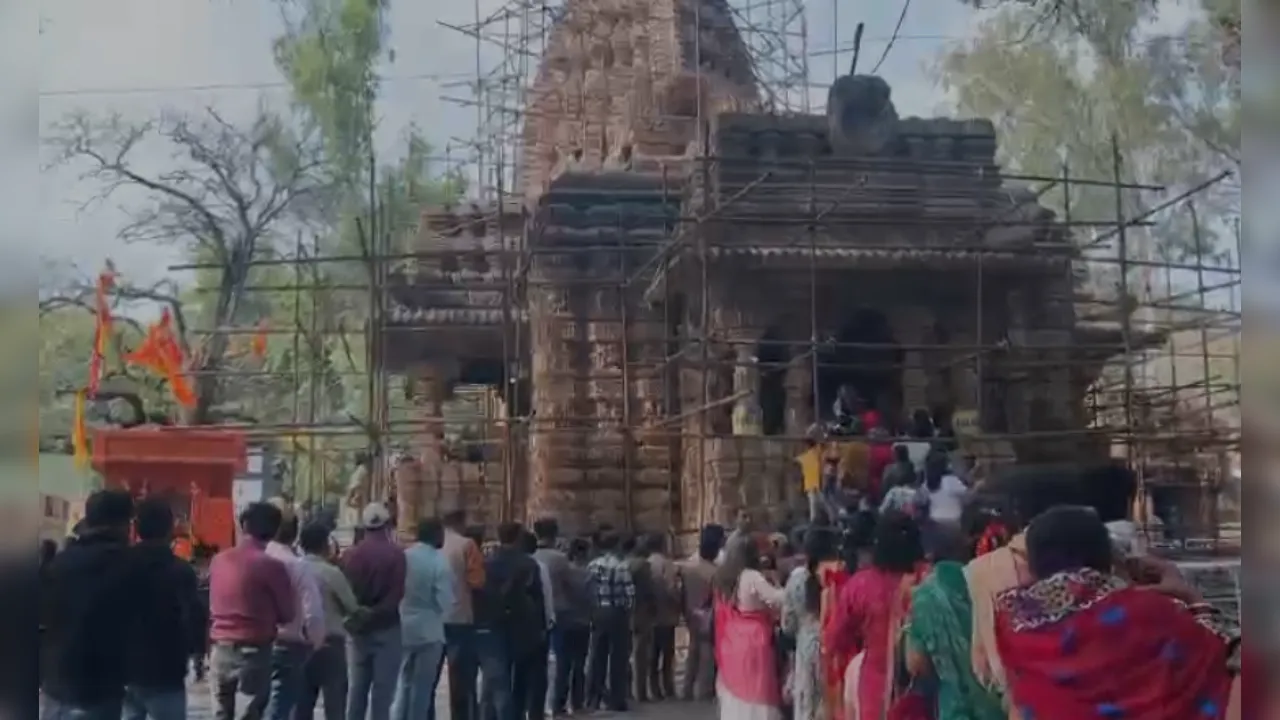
point(614, 594)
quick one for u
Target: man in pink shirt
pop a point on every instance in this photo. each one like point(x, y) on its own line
point(305, 633)
point(250, 597)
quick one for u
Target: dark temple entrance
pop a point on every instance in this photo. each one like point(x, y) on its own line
point(866, 356)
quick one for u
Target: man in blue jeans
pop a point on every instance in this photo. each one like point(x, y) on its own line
point(376, 569)
point(466, 569)
point(428, 596)
point(510, 621)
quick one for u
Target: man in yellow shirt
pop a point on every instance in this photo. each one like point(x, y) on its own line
point(810, 462)
point(818, 456)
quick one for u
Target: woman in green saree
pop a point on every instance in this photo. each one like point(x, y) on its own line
point(937, 645)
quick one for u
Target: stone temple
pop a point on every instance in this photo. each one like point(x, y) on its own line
point(682, 280)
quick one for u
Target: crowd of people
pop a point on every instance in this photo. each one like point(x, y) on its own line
point(1027, 608)
point(284, 623)
point(1014, 601)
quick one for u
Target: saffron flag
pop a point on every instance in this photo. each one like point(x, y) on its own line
point(161, 353)
point(80, 434)
point(101, 328)
point(259, 345)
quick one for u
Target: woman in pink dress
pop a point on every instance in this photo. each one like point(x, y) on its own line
point(871, 607)
point(747, 608)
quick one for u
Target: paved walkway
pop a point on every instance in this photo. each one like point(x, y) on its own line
point(200, 708)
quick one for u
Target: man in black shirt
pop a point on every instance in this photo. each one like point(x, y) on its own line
point(89, 613)
point(510, 617)
point(169, 624)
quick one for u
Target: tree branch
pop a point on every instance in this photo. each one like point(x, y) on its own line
point(227, 197)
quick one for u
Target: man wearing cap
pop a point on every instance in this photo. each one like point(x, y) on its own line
point(376, 569)
point(302, 635)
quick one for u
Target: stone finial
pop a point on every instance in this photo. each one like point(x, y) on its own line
point(861, 117)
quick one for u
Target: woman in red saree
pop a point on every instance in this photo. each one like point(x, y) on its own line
point(1080, 642)
point(832, 664)
point(746, 606)
point(856, 552)
point(871, 607)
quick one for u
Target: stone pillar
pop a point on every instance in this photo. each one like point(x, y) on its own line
point(746, 388)
point(1022, 360)
point(912, 326)
point(799, 383)
point(414, 478)
point(960, 361)
point(965, 383)
point(410, 484)
point(937, 387)
point(1060, 320)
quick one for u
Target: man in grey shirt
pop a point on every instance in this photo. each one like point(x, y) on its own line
point(326, 669)
point(560, 573)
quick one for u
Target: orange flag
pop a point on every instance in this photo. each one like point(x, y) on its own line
point(80, 434)
point(161, 354)
point(101, 328)
point(259, 345)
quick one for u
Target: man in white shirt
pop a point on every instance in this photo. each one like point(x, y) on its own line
point(306, 634)
point(947, 492)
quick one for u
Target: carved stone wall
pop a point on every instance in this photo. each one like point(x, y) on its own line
point(599, 451)
point(620, 81)
point(435, 482)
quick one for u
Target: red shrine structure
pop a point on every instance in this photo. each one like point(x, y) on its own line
point(192, 467)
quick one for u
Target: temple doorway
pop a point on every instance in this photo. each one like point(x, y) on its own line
point(866, 356)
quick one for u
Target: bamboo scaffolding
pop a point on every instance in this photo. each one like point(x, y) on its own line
point(519, 30)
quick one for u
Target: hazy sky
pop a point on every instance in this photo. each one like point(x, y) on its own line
point(139, 57)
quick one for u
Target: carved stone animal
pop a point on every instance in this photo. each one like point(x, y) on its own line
point(861, 118)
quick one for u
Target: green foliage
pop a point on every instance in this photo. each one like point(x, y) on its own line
point(64, 353)
point(1058, 92)
point(66, 344)
point(330, 53)
point(319, 164)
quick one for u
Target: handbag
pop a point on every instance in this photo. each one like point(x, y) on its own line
point(910, 705)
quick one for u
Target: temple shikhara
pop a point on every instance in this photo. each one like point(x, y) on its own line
point(680, 280)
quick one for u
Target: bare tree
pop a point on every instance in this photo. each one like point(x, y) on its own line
point(228, 196)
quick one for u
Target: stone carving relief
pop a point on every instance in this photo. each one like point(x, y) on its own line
point(615, 71)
